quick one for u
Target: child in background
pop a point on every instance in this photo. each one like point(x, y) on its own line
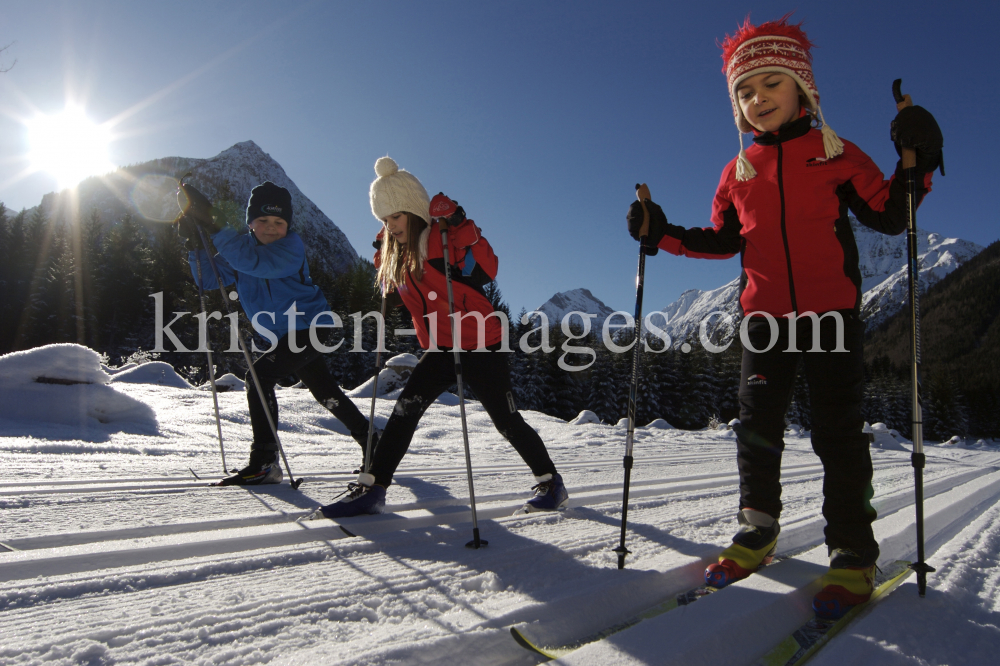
point(782, 205)
point(268, 266)
point(410, 261)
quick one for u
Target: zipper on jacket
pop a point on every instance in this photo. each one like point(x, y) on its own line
point(784, 232)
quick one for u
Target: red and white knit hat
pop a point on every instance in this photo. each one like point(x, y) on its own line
point(774, 46)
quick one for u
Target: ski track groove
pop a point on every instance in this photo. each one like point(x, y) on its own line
point(642, 488)
point(187, 610)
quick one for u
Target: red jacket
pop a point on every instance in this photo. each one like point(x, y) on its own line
point(473, 265)
point(790, 223)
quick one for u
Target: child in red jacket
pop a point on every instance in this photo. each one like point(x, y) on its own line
point(410, 261)
point(782, 205)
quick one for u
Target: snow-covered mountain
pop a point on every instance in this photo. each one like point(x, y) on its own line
point(576, 300)
point(884, 295)
point(147, 191)
point(882, 260)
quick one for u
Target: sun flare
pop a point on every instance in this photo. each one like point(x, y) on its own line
point(69, 146)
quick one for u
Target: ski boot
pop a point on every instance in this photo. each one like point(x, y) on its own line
point(550, 495)
point(363, 497)
point(849, 581)
point(753, 547)
point(264, 467)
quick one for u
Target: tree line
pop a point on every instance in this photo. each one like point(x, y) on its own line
point(90, 284)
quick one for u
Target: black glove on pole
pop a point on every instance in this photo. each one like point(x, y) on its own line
point(910, 168)
point(642, 232)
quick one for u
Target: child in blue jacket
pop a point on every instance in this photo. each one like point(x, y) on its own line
point(268, 267)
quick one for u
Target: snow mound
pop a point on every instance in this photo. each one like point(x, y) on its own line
point(661, 424)
point(228, 382)
point(115, 371)
point(79, 395)
point(402, 361)
point(449, 399)
point(888, 439)
point(586, 416)
point(622, 422)
point(388, 380)
point(154, 372)
point(66, 362)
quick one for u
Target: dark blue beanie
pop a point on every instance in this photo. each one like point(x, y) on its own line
point(270, 199)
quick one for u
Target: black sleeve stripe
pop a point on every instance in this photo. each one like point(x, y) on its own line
point(725, 240)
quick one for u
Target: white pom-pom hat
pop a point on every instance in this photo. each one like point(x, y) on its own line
point(396, 190)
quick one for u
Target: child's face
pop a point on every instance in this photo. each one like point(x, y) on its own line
point(769, 100)
point(397, 225)
point(269, 228)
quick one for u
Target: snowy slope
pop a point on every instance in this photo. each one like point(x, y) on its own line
point(887, 294)
point(116, 554)
point(147, 191)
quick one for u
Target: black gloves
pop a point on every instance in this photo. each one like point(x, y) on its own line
point(187, 231)
point(914, 127)
point(457, 217)
point(657, 225)
point(196, 206)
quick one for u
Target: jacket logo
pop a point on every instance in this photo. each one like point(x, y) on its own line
point(756, 380)
point(816, 161)
point(271, 209)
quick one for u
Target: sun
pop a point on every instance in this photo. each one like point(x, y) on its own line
point(69, 146)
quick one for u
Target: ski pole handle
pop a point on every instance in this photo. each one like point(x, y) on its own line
point(642, 194)
point(909, 155)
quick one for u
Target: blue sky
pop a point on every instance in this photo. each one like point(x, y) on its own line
point(539, 117)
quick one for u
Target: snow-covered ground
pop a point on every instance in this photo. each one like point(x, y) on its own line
point(114, 553)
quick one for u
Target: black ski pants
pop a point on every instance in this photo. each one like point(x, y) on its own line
point(836, 381)
point(488, 375)
point(309, 366)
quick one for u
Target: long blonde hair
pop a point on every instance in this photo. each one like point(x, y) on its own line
point(396, 259)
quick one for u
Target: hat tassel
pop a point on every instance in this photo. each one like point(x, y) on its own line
point(832, 145)
point(744, 169)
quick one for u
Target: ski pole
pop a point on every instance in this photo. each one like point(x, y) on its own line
point(918, 459)
point(371, 415)
point(211, 371)
point(642, 193)
point(457, 350)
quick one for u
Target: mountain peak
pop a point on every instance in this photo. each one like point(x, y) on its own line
point(147, 192)
point(574, 300)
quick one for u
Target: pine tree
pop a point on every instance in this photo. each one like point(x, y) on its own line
point(125, 284)
point(14, 278)
point(601, 398)
point(32, 267)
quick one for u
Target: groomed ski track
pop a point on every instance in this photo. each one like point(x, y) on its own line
point(117, 568)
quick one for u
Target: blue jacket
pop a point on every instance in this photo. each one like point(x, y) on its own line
point(268, 278)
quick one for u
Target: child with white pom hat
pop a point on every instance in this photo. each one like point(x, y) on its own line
point(410, 261)
point(782, 205)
